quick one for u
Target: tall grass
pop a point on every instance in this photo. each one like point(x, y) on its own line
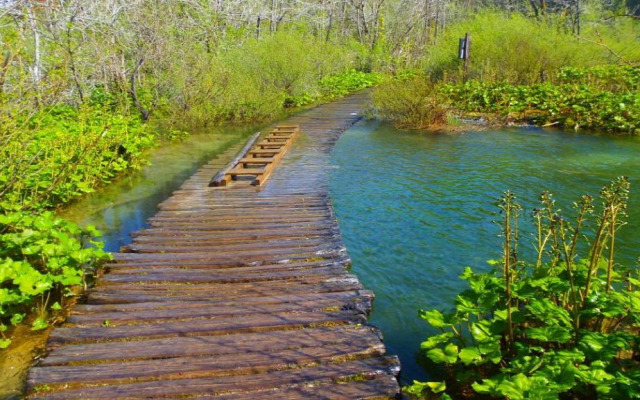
point(255, 79)
point(517, 49)
point(587, 80)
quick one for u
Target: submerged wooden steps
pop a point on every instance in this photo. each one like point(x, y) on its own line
point(237, 292)
point(257, 161)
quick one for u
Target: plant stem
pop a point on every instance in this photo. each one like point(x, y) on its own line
point(612, 234)
point(507, 267)
point(595, 256)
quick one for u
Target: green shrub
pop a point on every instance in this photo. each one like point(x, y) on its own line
point(568, 105)
point(604, 98)
point(412, 103)
point(558, 326)
point(41, 256)
point(255, 79)
point(63, 152)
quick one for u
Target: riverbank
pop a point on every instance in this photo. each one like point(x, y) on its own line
point(604, 99)
point(117, 210)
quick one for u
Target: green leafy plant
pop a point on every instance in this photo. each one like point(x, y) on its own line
point(588, 102)
point(63, 152)
point(557, 326)
point(602, 98)
point(41, 257)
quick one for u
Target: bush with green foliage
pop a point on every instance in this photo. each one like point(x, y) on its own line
point(413, 102)
point(604, 98)
point(63, 152)
point(41, 256)
point(558, 326)
point(254, 80)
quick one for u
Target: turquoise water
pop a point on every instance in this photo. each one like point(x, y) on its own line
point(415, 208)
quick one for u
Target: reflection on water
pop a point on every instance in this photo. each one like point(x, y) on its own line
point(124, 206)
point(415, 209)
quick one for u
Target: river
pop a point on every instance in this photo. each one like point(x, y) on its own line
point(414, 208)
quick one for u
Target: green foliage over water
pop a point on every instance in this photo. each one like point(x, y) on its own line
point(603, 99)
point(62, 152)
point(564, 324)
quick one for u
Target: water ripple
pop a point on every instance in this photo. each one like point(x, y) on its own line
point(415, 209)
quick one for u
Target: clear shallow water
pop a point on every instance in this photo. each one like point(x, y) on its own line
point(414, 208)
point(124, 206)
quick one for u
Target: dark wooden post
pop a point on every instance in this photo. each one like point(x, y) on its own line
point(464, 53)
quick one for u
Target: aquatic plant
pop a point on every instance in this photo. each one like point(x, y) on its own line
point(564, 325)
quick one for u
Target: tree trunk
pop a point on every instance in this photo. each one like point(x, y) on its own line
point(134, 92)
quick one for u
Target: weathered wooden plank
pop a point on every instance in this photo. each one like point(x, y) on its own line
point(212, 326)
point(380, 387)
point(218, 247)
point(82, 309)
point(222, 238)
point(324, 373)
point(194, 367)
point(124, 297)
point(233, 256)
point(209, 345)
point(264, 151)
point(190, 277)
point(313, 283)
point(257, 228)
point(242, 171)
point(211, 311)
point(256, 160)
point(217, 263)
point(260, 266)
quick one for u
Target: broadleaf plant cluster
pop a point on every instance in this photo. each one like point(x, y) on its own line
point(563, 325)
point(42, 258)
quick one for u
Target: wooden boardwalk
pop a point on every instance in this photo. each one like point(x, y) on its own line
point(233, 293)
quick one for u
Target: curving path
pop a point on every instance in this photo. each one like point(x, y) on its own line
point(232, 293)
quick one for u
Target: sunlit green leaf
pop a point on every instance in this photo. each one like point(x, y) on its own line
point(447, 355)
